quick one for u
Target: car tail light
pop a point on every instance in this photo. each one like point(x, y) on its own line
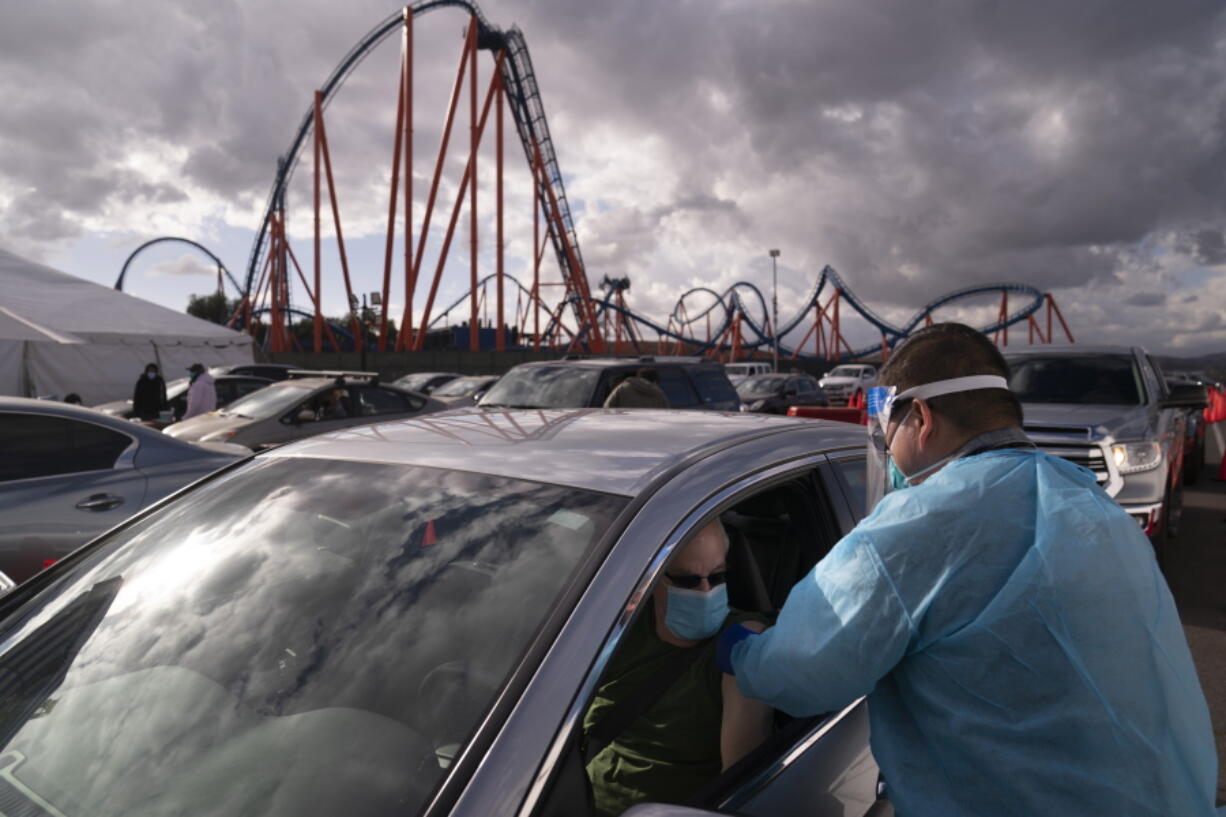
point(48, 562)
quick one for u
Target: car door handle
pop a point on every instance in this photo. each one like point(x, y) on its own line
point(100, 502)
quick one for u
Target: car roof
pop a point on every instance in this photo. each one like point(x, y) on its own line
point(610, 450)
point(1068, 351)
point(629, 362)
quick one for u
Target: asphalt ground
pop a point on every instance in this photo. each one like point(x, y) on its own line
point(1196, 573)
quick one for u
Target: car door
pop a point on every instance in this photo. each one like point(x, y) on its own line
point(817, 767)
point(62, 482)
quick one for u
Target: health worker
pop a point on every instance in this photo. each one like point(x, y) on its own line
point(1019, 648)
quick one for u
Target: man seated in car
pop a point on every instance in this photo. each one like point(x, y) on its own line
point(334, 406)
point(682, 736)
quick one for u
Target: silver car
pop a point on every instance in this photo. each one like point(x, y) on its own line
point(411, 618)
point(68, 473)
point(464, 391)
point(303, 407)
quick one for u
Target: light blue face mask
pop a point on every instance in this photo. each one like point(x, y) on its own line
point(696, 614)
point(898, 480)
point(151, 375)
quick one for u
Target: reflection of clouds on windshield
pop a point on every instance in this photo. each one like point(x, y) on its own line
point(617, 451)
point(291, 588)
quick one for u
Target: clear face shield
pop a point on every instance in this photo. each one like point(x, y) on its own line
point(884, 405)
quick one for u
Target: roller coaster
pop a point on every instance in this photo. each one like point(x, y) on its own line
point(731, 323)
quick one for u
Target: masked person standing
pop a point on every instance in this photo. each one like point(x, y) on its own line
point(201, 393)
point(149, 396)
point(1019, 648)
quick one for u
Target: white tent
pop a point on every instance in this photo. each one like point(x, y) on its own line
point(61, 334)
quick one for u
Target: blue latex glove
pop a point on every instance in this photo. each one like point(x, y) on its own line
point(728, 639)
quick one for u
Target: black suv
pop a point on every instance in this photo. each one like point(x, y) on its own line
point(776, 393)
point(688, 382)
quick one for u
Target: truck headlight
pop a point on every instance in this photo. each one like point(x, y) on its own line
point(1133, 457)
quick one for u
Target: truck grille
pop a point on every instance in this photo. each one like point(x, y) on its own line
point(1087, 456)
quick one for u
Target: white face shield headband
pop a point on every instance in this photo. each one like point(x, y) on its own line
point(881, 402)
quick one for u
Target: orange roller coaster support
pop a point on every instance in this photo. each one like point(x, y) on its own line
point(455, 215)
point(321, 135)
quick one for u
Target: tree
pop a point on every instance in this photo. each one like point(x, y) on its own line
point(215, 307)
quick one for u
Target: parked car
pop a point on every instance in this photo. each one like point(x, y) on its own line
point(843, 382)
point(303, 407)
point(411, 618)
point(68, 473)
point(271, 371)
point(776, 393)
point(425, 382)
point(1194, 433)
point(229, 388)
point(464, 391)
point(687, 382)
point(1110, 410)
point(737, 372)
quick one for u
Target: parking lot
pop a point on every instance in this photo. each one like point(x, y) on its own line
point(1197, 577)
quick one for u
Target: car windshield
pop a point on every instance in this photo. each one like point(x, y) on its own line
point(269, 401)
point(844, 371)
point(177, 387)
point(460, 387)
point(415, 382)
point(1099, 379)
point(295, 637)
point(543, 387)
point(760, 385)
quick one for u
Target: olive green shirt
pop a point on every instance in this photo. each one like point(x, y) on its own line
point(673, 749)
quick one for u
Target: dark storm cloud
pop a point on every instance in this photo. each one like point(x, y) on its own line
point(1146, 299)
point(916, 147)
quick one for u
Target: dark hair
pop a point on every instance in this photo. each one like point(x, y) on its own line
point(73, 397)
point(947, 350)
point(649, 375)
point(149, 366)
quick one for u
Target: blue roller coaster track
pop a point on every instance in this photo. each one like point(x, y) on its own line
point(732, 302)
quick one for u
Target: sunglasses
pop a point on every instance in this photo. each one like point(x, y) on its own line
point(688, 581)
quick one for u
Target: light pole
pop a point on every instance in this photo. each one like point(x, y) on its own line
point(775, 305)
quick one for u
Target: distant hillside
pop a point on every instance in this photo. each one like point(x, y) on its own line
point(1214, 365)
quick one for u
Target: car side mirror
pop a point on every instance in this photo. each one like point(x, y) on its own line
point(1186, 396)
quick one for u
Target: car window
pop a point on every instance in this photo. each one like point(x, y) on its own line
point(774, 537)
point(676, 387)
point(713, 385)
point(374, 400)
point(270, 401)
point(1089, 379)
point(343, 627)
point(36, 445)
point(543, 387)
point(853, 470)
point(807, 385)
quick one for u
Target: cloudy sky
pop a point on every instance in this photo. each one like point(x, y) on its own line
point(915, 147)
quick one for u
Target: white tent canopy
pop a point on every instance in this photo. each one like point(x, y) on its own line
point(61, 334)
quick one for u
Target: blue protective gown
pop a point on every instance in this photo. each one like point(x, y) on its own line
point(1020, 650)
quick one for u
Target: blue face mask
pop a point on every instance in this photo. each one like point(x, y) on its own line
point(898, 480)
point(151, 375)
point(696, 614)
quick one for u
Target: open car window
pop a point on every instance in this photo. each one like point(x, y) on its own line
point(775, 536)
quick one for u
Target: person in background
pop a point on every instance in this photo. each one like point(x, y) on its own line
point(201, 394)
point(638, 390)
point(72, 398)
point(149, 396)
